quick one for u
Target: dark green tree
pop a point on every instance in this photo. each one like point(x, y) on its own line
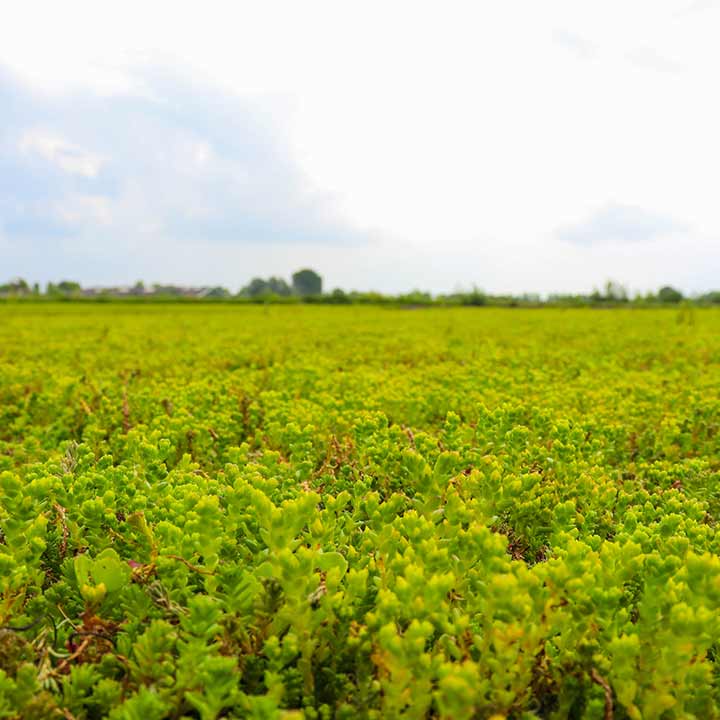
point(257, 286)
point(217, 292)
point(669, 294)
point(711, 297)
point(66, 287)
point(339, 297)
point(279, 286)
point(306, 282)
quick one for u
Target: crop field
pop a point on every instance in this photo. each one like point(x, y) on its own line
point(216, 511)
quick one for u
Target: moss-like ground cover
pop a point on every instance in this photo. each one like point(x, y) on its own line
point(279, 512)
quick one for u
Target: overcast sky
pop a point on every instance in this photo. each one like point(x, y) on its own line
point(517, 146)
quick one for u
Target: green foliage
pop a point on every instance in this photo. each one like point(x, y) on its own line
point(306, 282)
point(351, 512)
point(273, 286)
point(669, 294)
point(65, 287)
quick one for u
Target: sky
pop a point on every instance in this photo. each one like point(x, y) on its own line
point(516, 146)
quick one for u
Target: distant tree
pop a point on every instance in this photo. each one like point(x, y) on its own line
point(66, 287)
point(217, 292)
point(256, 287)
point(530, 299)
point(615, 292)
point(307, 282)
point(138, 288)
point(711, 297)
point(339, 297)
point(569, 300)
point(669, 294)
point(415, 297)
point(18, 286)
point(475, 297)
point(279, 286)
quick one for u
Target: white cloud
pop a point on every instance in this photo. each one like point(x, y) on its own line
point(56, 150)
point(616, 223)
point(696, 6)
point(79, 210)
point(188, 166)
point(650, 59)
point(574, 43)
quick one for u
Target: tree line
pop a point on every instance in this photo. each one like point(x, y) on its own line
point(306, 286)
point(303, 283)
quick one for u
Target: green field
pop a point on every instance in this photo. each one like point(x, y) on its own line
point(357, 512)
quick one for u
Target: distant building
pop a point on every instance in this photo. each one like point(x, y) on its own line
point(139, 290)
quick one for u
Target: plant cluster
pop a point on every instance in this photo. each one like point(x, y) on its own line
point(308, 512)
